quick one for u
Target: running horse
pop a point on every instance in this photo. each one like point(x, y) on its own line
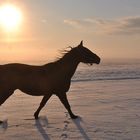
point(45, 80)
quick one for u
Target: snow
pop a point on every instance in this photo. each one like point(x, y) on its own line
point(108, 110)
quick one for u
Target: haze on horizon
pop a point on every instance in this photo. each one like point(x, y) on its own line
point(110, 28)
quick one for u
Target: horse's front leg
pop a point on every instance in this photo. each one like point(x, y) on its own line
point(42, 103)
point(64, 100)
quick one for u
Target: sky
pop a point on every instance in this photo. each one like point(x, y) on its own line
point(110, 28)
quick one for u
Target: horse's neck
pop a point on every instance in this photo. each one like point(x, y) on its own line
point(70, 67)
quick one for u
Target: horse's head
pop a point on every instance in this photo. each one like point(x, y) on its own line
point(87, 56)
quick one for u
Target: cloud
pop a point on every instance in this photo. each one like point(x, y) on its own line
point(129, 25)
point(123, 26)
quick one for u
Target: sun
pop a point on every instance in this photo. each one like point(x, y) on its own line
point(10, 17)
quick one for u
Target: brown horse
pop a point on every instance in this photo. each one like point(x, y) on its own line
point(45, 80)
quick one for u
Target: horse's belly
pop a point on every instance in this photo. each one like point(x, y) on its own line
point(43, 86)
point(33, 91)
point(34, 88)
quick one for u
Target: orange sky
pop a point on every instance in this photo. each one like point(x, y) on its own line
point(112, 29)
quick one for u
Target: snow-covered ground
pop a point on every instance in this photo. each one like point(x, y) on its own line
point(108, 110)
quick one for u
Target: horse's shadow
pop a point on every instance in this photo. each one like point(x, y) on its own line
point(4, 125)
point(77, 122)
point(41, 123)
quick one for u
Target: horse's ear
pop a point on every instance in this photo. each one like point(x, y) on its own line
point(81, 43)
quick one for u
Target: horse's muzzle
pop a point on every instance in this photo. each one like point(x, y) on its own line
point(99, 60)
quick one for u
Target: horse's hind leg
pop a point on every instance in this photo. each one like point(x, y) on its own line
point(4, 95)
point(43, 102)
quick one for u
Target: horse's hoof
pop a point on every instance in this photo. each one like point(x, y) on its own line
point(74, 117)
point(36, 116)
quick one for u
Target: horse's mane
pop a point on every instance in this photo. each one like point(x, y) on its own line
point(65, 53)
point(65, 56)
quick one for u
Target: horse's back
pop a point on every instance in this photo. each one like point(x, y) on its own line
point(16, 74)
point(46, 78)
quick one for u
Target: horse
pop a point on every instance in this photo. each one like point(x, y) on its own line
point(53, 78)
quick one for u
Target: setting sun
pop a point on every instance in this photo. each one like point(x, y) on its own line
point(10, 17)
